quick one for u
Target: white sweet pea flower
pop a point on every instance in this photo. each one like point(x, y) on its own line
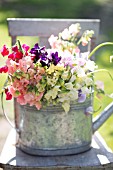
point(63, 97)
point(65, 74)
point(88, 81)
point(78, 86)
point(69, 85)
point(73, 78)
point(74, 29)
point(80, 72)
point(66, 106)
point(86, 90)
point(65, 34)
point(90, 65)
point(52, 80)
point(52, 93)
point(84, 55)
point(73, 94)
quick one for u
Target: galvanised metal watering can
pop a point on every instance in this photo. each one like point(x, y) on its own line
point(51, 131)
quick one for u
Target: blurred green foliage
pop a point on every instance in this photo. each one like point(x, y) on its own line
point(65, 9)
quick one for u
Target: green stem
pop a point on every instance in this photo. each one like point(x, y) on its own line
point(101, 70)
point(20, 48)
point(99, 46)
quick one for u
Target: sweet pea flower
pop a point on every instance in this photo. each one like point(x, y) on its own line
point(74, 29)
point(25, 47)
point(12, 90)
point(4, 51)
point(89, 110)
point(11, 56)
point(25, 63)
point(77, 50)
point(80, 61)
point(29, 97)
point(81, 97)
point(65, 75)
point(12, 65)
point(15, 48)
point(67, 58)
point(53, 41)
point(4, 69)
point(59, 75)
point(84, 42)
point(55, 58)
point(80, 71)
point(21, 100)
point(90, 65)
point(65, 34)
point(8, 94)
point(38, 105)
point(38, 98)
point(99, 85)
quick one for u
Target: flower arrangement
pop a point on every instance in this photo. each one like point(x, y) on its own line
point(61, 74)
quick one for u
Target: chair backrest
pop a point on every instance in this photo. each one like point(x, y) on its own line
point(43, 28)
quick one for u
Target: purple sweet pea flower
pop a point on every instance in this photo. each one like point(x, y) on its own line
point(40, 53)
point(55, 58)
point(89, 110)
point(81, 97)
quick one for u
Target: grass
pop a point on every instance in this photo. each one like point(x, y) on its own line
point(58, 9)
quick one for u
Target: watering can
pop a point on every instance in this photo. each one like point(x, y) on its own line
point(50, 131)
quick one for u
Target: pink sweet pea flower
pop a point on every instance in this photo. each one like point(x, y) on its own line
point(77, 50)
point(84, 42)
point(54, 42)
point(38, 98)
point(12, 65)
point(80, 61)
point(29, 97)
point(25, 47)
point(4, 51)
point(99, 85)
point(38, 105)
point(21, 100)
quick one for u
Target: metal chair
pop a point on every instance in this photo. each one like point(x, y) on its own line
point(43, 28)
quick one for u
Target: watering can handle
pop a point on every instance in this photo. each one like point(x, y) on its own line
point(102, 117)
point(12, 125)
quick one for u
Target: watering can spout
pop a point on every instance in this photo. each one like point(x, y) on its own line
point(102, 117)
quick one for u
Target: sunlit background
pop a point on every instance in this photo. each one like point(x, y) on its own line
point(84, 9)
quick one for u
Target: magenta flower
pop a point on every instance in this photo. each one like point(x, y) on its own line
point(15, 48)
point(4, 69)
point(8, 94)
point(25, 47)
point(4, 51)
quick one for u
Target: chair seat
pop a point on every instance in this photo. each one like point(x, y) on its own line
point(98, 157)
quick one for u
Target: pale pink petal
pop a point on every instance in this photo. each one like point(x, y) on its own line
point(21, 100)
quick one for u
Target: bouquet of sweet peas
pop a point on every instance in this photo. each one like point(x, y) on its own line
point(61, 74)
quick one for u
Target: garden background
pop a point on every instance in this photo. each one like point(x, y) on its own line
point(84, 9)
